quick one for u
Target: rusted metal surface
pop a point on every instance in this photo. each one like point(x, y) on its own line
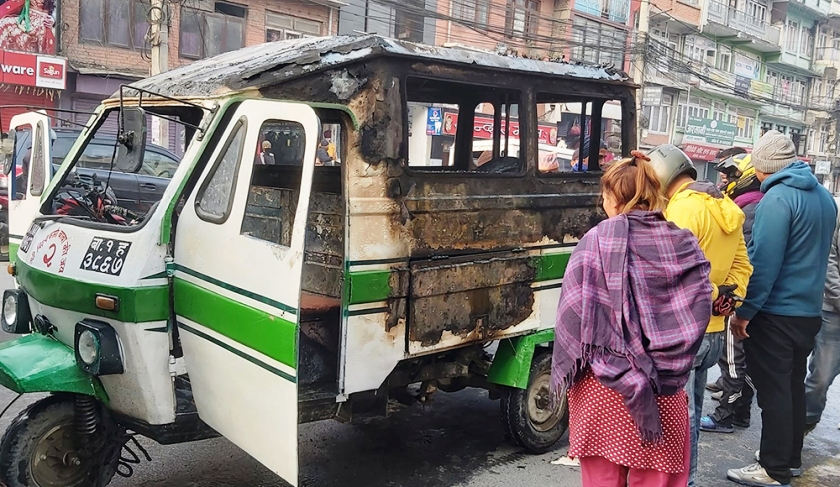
point(256, 67)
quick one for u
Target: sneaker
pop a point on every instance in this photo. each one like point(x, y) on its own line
point(717, 395)
point(707, 423)
point(794, 472)
point(753, 475)
point(713, 386)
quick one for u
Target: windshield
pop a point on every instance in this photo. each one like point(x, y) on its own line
point(95, 189)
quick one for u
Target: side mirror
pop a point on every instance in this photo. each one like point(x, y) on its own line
point(132, 140)
point(7, 149)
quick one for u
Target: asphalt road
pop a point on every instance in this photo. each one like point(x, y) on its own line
point(456, 441)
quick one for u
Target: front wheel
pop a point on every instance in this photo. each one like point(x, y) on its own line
point(530, 418)
point(41, 448)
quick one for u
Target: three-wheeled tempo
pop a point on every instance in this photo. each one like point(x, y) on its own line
point(329, 243)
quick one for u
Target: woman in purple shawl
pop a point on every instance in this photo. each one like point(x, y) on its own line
point(636, 301)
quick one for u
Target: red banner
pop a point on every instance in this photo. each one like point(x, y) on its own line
point(483, 128)
point(700, 152)
point(20, 68)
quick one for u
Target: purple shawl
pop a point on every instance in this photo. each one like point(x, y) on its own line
point(635, 304)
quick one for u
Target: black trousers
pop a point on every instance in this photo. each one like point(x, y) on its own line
point(737, 387)
point(777, 357)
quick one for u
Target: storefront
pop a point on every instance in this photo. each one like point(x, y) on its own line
point(703, 140)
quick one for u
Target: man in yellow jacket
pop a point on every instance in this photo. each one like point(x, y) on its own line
point(717, 222)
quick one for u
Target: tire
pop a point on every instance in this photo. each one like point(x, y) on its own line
point(528, 417)
point(49, 426)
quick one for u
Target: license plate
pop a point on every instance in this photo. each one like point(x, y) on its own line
point(106, 255)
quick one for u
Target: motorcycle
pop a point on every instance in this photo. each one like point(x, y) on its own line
point(87, 197)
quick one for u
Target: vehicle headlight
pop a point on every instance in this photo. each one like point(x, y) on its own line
point(98, 348)
point(16, 318)
point(88, 347)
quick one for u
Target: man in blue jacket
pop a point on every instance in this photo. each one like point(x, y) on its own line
point(794, 225)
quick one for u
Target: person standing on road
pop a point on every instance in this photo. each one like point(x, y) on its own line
point(734, 385)
point(792, 234)
point(824, 365)
point(632, 313)
point(716, 221)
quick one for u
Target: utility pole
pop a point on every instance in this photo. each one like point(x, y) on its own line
point(159, 39)
point(639, 62)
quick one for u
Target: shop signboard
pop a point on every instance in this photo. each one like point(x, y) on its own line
point(24, 69)
point(483, 128)
point(823, 167)
point(434, 121)
point(710, 132)
point(700, 152)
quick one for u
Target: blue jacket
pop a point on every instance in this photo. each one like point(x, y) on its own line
point(791, 238)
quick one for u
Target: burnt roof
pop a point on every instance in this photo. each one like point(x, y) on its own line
point(272, 63)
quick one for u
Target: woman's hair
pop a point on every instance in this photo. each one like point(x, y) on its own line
point(633, 184)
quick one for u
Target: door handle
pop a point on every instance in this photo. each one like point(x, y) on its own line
point(148, 186)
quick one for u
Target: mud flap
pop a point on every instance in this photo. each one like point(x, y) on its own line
point(512, 364)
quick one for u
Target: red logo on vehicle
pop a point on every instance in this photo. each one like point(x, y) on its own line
point(55, 243)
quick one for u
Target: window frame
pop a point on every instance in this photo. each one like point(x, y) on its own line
point(240, 124)
point(203, 27)
point(418, 170)
point(480, 16)
point(292, 29)
point(531, 11)
point(105, 26)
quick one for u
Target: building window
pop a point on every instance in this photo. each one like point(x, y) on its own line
point(719, 111)
point(792, 37)
point(744, 119)
point(521, 18)
point(117, 23)
point(474, 13)
point(281, 27)
point(658, 116)
point(598, 43)
point(205, 33)
point(696, 107)
point(806, 42)
point(757, 9)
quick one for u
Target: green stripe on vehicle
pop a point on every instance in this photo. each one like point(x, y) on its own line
point(369, 286)
point(239, 353)
point(551, 266)
point(237, 290)
point(263, 332)
point(137, 305)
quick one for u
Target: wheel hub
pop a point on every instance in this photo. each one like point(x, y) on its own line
point(540, 411)
point(56, 461)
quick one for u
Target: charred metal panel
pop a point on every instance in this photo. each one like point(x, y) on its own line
point(471, 297)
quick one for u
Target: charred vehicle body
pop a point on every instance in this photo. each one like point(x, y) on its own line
point(265, 289)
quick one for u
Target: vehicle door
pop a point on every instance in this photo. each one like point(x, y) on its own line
point(237, 296)
point(30, 174)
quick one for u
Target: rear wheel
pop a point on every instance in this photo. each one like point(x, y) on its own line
point(42, 448)
point(530, 417)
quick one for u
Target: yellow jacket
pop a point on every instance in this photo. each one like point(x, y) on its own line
point(717, 223)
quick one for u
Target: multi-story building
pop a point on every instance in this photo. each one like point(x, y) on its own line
point(723, 73)
point(105, 42)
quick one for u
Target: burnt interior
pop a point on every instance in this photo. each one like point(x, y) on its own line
point(270, 214)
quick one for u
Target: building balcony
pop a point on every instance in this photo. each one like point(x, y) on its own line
point(826, 57)
point(817, 8)
point(737, 27)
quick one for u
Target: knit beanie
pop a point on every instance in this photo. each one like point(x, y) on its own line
point(773, 152)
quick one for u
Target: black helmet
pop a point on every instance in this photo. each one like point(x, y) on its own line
point(669, 162)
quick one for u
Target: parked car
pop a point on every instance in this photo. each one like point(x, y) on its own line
point(136, 192)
